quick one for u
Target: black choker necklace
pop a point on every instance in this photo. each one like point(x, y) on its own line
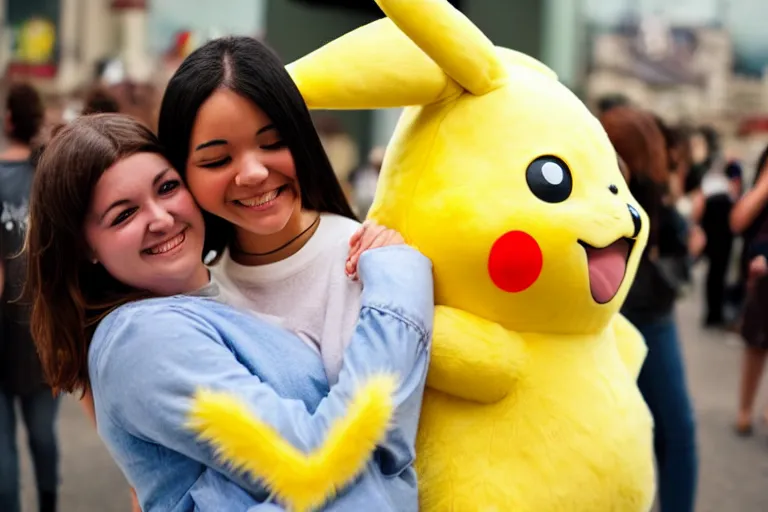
point(273, 251)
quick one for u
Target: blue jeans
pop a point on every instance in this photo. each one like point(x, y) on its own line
point(39, 414)
point(663, 385)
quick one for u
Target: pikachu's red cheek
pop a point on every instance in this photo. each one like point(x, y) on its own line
point(515, 261)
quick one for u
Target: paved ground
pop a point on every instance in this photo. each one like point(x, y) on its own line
point(734, 472)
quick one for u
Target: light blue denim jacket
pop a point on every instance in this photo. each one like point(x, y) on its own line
point(148, 358)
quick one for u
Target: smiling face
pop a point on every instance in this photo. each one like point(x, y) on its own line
point(239, 169)
point(144, 227)
point(520, 204)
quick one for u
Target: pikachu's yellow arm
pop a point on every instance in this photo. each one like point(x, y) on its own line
point(473, 358)
point(300, 481)
point(630, 343)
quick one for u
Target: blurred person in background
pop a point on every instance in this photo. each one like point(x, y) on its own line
point(640, 143)
point(363, 181)
point(341, 149)
point(749, 218)
point(21, 376)
point(736, 289)
point(676, 202)
point(735, 175)
point(609, 101)
point(705, 149)
point(677, 140)
point(100, 101)
point(715, 202)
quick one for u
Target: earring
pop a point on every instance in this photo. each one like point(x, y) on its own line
point(95, 261)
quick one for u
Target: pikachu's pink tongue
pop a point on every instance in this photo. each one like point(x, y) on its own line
point(606, 270)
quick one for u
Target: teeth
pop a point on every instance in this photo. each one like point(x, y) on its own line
point(259, 200)
point(167, 246)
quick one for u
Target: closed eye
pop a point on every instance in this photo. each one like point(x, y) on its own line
point(216, 163)
point(274, 146)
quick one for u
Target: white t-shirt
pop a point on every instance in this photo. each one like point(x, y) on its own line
point(308, 293)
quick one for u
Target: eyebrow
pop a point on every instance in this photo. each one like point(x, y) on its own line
point(122, 202)
point(210, 143)
point(265, 129)
point(222, 142)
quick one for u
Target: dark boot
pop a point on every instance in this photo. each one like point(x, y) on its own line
point(47, 502)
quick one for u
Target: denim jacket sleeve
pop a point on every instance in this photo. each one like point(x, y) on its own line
point(145, 371)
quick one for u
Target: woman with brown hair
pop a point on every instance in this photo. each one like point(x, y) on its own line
point(124, 307)
point(640, 143)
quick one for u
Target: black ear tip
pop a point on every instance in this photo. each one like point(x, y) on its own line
point(636, 220)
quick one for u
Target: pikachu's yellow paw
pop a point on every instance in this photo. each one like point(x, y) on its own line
point(300, 481)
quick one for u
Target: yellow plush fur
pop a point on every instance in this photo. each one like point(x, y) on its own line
point(532, 403)
point(300, 482)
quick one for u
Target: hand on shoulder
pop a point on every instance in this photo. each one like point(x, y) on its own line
point(369, 236)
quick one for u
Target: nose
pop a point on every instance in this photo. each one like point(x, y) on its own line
point(161, 221)
point(637, 221)
point(252, 172)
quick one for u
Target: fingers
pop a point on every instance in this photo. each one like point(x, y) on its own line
point(354, 246)
point(355, 238)
point(371, 233)
point(370, 236)
point(383, 238)
point(392, 238)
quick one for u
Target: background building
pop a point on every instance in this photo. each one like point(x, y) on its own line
point(150, 38)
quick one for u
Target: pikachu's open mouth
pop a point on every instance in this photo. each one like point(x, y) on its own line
point(607, 267)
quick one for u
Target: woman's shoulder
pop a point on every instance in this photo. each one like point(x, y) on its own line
point(152, 326)
point(161, 304)
point(161, 314)
point(335, 227)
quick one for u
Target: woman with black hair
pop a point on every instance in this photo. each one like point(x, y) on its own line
point(233, 122)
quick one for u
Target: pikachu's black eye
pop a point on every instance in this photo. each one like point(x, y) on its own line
point(549, 178)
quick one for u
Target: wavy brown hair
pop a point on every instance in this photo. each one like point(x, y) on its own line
point(640, 143)
point(69, 293)
point(639, 140)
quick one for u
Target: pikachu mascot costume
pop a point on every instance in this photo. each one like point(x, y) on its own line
point(501, 176)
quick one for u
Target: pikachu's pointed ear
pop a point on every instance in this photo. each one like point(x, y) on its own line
point(452, 41)
point(425, 51)
point(375, 66)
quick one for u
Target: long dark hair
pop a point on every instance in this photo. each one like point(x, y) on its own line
point(252, 70)
point(69, 293)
